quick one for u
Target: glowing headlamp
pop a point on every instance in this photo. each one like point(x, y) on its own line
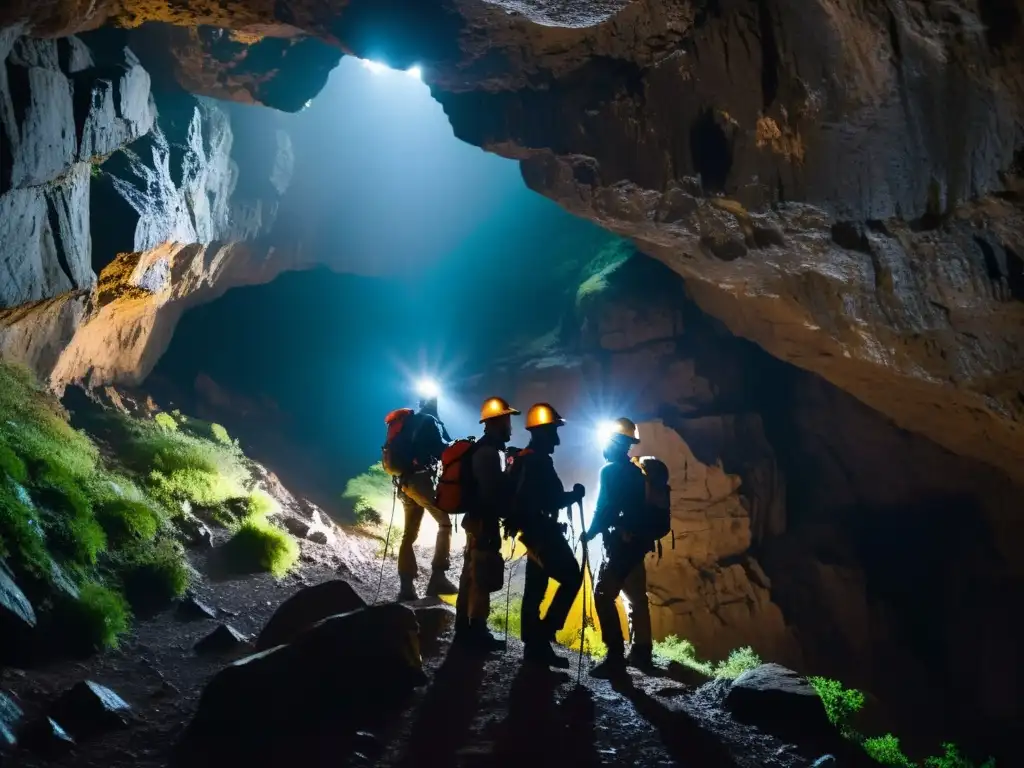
point(428, 389)
point(605, 431)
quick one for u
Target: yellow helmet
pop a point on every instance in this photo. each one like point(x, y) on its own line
point(541, 415)
point(624, 428)
point(495, 407)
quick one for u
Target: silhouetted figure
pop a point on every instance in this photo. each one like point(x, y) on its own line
point(538, 498)
point(486, 500)
point(620, 516)
point(417, 489)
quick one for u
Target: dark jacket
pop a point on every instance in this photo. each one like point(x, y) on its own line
point(538, 493)
point(486, 488)
point(620, 500)
point(430, 438)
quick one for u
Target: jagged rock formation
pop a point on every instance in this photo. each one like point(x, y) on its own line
point(805, 178)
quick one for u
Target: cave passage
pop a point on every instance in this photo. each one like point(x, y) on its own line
point(455, 262)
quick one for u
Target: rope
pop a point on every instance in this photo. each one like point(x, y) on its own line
point(583, 624)
point(387, 539)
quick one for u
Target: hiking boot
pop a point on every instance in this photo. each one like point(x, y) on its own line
point(611, 668)
point(544, 655)
point(477, 639)
point(439, 584)
point(407, 591)
point(640, 658)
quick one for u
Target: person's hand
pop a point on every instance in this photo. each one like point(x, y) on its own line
point(579, 491)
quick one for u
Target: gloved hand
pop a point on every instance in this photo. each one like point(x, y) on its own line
point(579, 492)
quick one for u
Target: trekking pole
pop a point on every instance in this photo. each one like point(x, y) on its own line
point(387, 538)
point(508, 589)
point(586, 568)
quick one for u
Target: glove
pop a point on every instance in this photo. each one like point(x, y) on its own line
point(579, 492)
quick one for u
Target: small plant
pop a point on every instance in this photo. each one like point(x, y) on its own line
point(740, 660)
point(166, 421)
point(951, 758)
point(220, 434)
point(885, 750)
point(840, 703)
point(371, 494)
point(259, 546)
point(260, 504)
point(155, 576)
point(392, 542)
point(593, 645)
point(682, 652)
point(127, 520)
point(496, 618)
point(97, 619)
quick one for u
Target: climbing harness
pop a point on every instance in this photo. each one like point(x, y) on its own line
point(387, 538)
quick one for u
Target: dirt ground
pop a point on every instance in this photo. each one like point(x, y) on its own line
point(474, 712)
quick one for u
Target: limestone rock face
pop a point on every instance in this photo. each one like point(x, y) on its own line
point(64, 109)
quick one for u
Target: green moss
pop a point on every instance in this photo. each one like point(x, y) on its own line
point(886, 750)
point(166, 421)
point(11, 466)
point(127, 520)
point(220, 434)
point(22, 543)
point(740, 660)
point(154, 576)
point(496, 618)
point(840, 703)
point(259, 546)
point(260, 504)
point(97, 619)
point(371, 496)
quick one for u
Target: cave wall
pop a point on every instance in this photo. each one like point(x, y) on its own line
point(807, 524)
point(103, 174)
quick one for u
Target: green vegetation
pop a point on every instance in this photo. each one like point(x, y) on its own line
point(86, 538)
point(841, 704)
point(371, 496)
point(496, 618)
point(886, 750)
point(154, 576)
point(97, 619)
point(593, 645)
point(220, 434)
point(259, 546)
point(681, 651)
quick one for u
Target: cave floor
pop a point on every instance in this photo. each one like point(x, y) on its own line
point(473, 712)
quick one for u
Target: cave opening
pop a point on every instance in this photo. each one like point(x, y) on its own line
point(710, 151)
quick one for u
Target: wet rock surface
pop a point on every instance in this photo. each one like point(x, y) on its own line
point(17, 618)
point(11, 723)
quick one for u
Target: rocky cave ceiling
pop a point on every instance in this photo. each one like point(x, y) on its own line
point(836, 180)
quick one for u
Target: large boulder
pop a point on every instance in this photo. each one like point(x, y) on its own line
point(17, 618)
point(305, 608)
point(273, 707)
point(780, 701)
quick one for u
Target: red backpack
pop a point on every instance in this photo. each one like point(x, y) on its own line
point(450, 497)
point(396, 455)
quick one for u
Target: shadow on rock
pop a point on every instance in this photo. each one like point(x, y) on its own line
point(302, 704)
point(683, 737)
point(446, 712)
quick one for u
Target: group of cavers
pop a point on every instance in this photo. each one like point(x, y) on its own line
point(492, 486)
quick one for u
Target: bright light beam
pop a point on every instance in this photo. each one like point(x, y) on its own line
point(374, 66)
point(428, 388)
point(415, 72)
point(379, 68)
point(605, 430)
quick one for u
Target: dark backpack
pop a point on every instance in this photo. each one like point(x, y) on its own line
point(657, 512)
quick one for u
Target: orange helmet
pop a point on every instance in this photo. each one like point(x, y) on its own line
point(542, 414)
point(495, 407)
